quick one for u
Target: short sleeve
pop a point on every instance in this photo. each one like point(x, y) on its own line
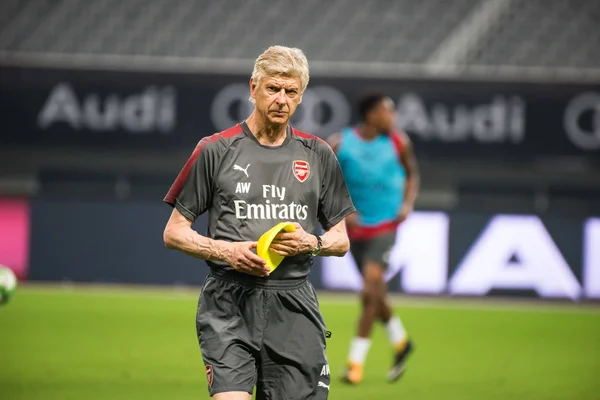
point(192, 190)
point(334, 200)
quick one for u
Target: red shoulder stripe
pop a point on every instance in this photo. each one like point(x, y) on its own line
point(306, 135)
point(185, 171)
point(182, 176)
point(231, 132)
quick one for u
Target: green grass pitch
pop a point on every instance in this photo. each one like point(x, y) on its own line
point(100, 344)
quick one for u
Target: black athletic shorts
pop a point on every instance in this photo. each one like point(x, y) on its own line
point(267, 333)
point(376, 249)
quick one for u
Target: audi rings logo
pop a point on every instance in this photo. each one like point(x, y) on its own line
point(582, 121)
point(323, 110)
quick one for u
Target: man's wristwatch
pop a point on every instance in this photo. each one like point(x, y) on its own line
point(317, 249)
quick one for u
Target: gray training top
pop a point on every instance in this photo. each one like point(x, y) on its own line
point(248, 188)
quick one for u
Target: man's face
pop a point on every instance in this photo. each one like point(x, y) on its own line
point(277, 97)
point(383, 116)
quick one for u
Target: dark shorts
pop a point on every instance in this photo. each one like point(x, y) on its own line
point(265, 333)
point(376, 249)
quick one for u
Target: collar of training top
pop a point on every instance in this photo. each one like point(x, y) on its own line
point(249, 133)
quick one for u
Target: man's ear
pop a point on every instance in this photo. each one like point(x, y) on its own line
point(253, 87)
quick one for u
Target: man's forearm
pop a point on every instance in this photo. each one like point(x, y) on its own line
point(190, 242)
point(411, 190)
point(335, 243)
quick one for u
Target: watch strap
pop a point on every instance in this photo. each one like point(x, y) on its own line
point(319, 247)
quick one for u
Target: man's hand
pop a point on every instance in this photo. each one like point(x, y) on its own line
point(293, 243)
point(404, 212)
point(242, 259)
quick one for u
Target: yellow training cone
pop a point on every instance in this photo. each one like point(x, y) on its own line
point(264, 242)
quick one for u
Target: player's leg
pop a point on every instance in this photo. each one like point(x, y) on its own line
point(393, 325)
point(374, 284)
point(372, 296)
point(401, 343)
point(398, 338)
point(293, 363)
point(226, 340)
point(385, 310)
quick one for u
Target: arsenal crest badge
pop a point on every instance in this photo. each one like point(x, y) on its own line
point(209, 375)
point(301, 170)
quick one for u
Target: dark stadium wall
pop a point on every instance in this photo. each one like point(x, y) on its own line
point(111, 242)
point(84, 241)
point(436, 253)
point(54, 108)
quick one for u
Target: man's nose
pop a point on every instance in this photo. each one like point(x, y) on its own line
point(281, 97)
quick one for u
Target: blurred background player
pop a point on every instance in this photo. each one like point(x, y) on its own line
point(382, 175)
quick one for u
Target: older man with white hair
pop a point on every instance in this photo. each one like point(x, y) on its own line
point(257, 325)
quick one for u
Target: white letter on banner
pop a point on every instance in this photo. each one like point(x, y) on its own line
point(541, 265)
point(61, 106)
point(591, 258)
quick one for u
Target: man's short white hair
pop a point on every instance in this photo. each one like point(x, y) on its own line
point(281, 60)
